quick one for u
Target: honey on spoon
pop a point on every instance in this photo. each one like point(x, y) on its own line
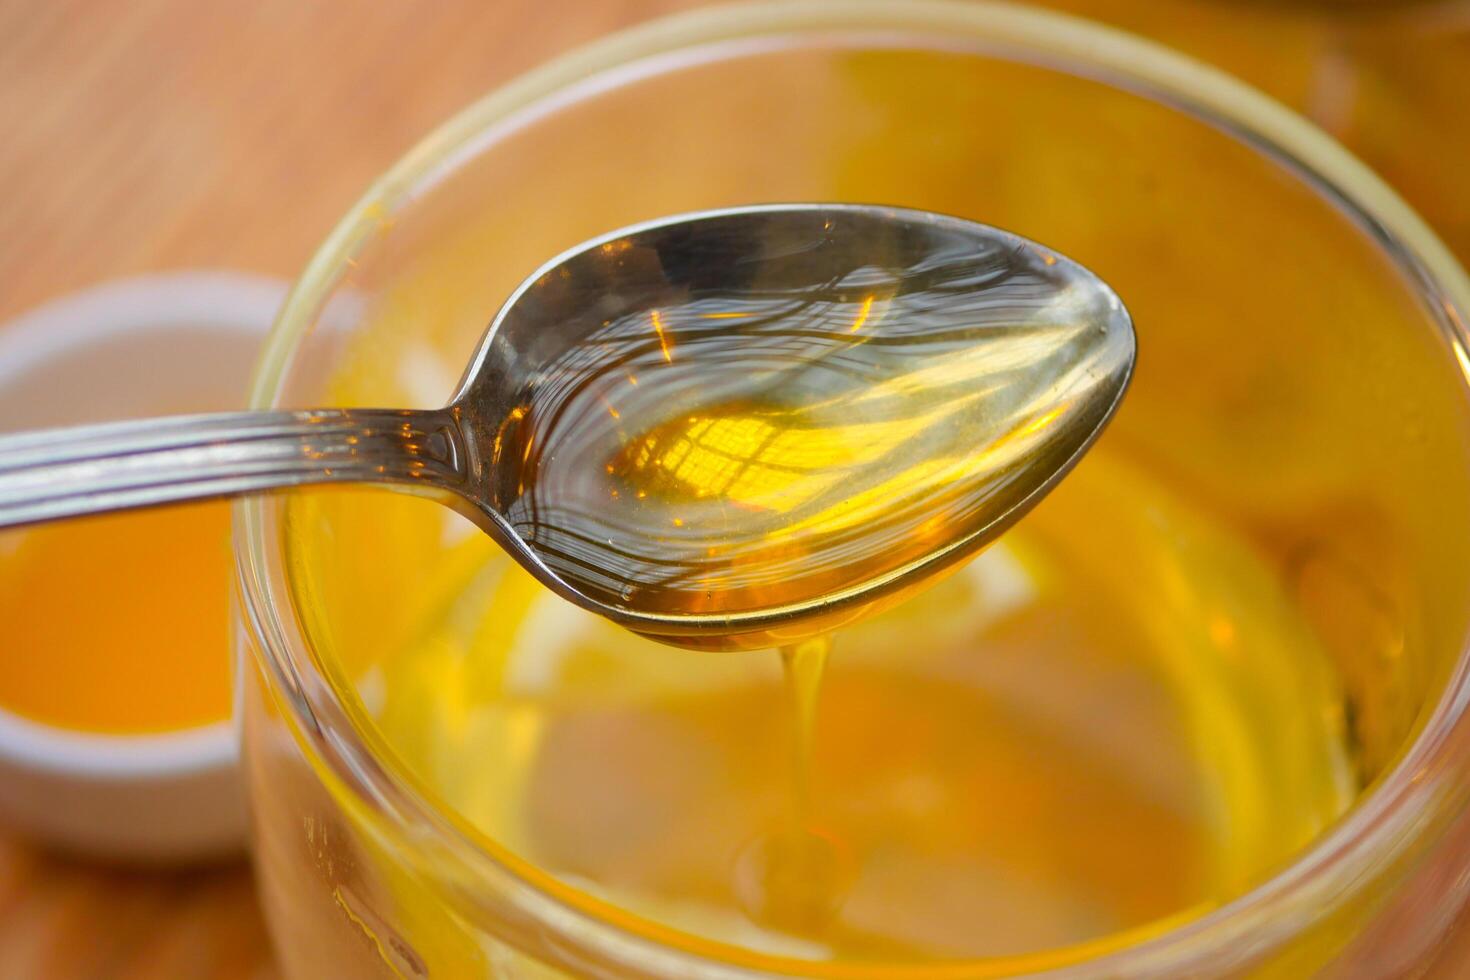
point(735, 428)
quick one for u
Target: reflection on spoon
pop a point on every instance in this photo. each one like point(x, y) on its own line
point(794, 408)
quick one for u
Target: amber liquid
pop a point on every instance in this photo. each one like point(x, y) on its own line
point(119, 623)
point(1034, 753)
point(792, 878)
point(802, 664)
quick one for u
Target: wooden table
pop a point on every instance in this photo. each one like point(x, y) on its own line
point(156, 134)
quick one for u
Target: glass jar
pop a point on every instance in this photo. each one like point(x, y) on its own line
point(1301, 378)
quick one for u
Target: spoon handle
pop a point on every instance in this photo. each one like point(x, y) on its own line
point(58, 473)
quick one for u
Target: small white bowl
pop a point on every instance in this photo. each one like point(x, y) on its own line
point(188, 340)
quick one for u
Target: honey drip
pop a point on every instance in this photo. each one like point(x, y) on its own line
point(792, 879)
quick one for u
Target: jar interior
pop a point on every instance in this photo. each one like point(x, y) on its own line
point(1188, 662)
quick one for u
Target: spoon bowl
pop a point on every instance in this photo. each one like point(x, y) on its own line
point(738, 427)
point(732, 428)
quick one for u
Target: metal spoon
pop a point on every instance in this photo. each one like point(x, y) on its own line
point(730, 428)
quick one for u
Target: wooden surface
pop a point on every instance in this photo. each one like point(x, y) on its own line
point(156, 134)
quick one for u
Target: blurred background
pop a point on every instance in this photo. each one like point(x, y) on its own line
point(159, 134)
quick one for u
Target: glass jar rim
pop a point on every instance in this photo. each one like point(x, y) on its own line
point(1303, 891)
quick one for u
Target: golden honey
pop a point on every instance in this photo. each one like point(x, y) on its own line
point(118, 624)
point(1034, 753)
